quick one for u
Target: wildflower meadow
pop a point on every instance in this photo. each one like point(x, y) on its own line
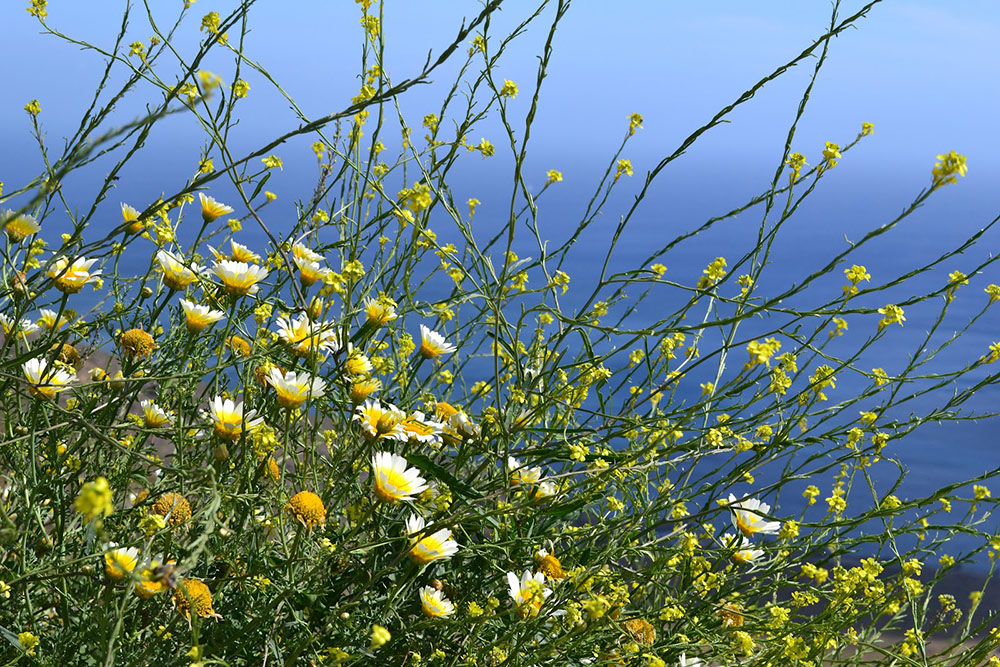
point(385, 427)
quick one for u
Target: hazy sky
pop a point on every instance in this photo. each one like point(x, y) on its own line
point(924, 72)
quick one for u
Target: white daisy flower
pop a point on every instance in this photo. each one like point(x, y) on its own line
point(70, 278)
point(381, 421)
point(239, 278)
point(153, 415)
point(46, 381)
point(428, 548)
point(528, 592)
point(743, 551)
point(433, 344)
point(393, 480)
point(435, 604)
point(294, 388)
point(229, 420)
point(747, 517)
point(197, 316)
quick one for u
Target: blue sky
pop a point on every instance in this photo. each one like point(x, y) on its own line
point(921, 71)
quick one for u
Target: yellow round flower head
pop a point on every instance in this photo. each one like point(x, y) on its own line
point(362, 389)
point(137, 343)
point(174, 507)
point(549, 565)
point(308, 508)
point(193, 597)
point(152, 578)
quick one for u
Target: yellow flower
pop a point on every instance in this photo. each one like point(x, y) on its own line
point(623, 167)
point(294, 388)
point(17, 227)
point(137, 343)
point(27, 640)
point(509, 89)
point(119, 563)
point(549, 565)
point(890, 315)
point(173, 507)
point(434, 603)
point(947, 166)
point(428, 548)
point(634, 123)
point(272, 162)
point(176, 275)
point(70, 278)
point(45, 381)
point(553, 176)
point(380, 637)
point(229, 420)
point(433, 344)
point(393, 480)
point(211, 209)
point(193, 596)
point(94, 500)
point(197, 316)
point(308, 508)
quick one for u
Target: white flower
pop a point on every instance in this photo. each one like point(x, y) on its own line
point(435, 604)
point(747, 516)
point(294, 388)
point(427, 548)
point(153, 415)
point(520, 474)
point(11, 326)
point(71, 278)
point(743, 551)
point(420, 430)
point(211, 209)
point(302, 252)
point(239, 278)
point(393, 480)
point(381, 421)
point(198, 316)
point(528, 592)
point(433, 344)
point(46, 381)
point(228, 419)
point(50, 319)
point(306, 337)
point(176, 274)
point(119, 563)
